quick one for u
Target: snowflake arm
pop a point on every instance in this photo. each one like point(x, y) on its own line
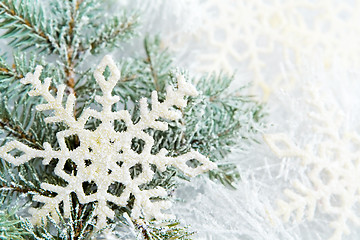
point(42, 89)
point(104, 156)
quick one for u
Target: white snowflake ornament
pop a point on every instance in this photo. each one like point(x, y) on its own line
point(104, 156)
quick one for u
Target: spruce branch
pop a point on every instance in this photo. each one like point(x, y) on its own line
point(78, 226)
point(12, 128)
point(17, 118)
point(10, 76)
point(70, 57)
point(18, 132)
point(10, 226)
point(159, 62)
point(142, 75)
point(22, 63)
point(19, 181)
point(150, 61)
point(25, 180)
point(21, 124)
point(115, 30)
point(7, 72)
point(27, 25)
point(221, 120)
point(164, 230)
point(71, 41)
point(80, 38)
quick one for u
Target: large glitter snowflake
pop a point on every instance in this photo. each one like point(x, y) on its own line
point(332, 161)
point(104, 156)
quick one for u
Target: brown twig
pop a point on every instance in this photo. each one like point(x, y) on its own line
point(80, 224)
point(128, 78)
point(22, 190)
point(152, 70)
point(70, 64)
point(4, 70)
point(24, 21)
point(11, 72)
point(120, 28)
point(143, 229)
point(19, 132)
point(70, 59)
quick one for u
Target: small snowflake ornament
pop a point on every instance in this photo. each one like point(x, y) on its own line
point(104, 156)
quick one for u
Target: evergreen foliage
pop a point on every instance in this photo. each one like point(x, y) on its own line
point(63, 40)
point(10, 226)
point(165, 230)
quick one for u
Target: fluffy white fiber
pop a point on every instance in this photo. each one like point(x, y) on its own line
point(250, 211)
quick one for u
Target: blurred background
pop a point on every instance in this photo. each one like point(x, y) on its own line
point(301, 58)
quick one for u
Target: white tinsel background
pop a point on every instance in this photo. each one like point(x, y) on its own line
point(302, 59)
